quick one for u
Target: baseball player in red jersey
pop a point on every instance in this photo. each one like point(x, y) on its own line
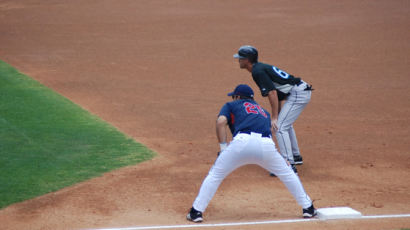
point(279, 86)
point(252, 143)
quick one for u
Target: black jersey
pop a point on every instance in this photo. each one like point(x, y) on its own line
point(269, 77)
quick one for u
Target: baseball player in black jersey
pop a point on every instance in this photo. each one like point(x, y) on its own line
point(288, 96)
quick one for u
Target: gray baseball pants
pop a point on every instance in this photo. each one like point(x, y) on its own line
point(286, 136)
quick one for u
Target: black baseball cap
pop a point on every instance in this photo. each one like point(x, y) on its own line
point(247, 51)
point(242, 90)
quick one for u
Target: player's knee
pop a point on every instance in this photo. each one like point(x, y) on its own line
point(281, 130)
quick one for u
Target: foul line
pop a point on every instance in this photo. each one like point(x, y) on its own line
point(247, 223)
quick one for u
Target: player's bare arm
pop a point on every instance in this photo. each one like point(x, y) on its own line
point(281, 103)
point(274, 103)
point(221, 133)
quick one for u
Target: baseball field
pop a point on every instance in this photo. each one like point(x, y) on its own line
point(116, 76)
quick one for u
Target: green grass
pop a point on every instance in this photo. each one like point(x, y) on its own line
point(47, 142)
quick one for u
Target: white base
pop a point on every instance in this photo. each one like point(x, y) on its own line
point(337, 213)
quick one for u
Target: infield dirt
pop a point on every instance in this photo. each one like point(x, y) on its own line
point(160, 70)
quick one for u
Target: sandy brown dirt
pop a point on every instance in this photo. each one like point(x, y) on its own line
point(159, 71)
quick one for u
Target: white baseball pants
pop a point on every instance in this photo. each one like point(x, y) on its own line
point(250, 149)
point(286, 136)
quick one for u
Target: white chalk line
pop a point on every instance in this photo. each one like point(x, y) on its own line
point(248, 223)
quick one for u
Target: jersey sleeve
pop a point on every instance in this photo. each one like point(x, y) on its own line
point(226, 111)
point(264, 82)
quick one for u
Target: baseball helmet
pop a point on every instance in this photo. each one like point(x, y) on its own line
point(248, 52)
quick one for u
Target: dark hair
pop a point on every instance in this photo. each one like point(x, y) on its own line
point(242, 97)
point(245, 97)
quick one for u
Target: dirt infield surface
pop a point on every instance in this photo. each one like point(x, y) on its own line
point(160, 70)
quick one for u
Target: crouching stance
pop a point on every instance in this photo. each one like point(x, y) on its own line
point(252, 143)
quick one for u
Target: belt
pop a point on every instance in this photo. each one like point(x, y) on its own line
point(249, 132)
point(308, 87)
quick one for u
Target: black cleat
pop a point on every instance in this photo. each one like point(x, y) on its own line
point(294, 169)
point(194, 216)
point(309, 212)
point(298, 160)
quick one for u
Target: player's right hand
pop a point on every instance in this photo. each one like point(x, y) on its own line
point(274, 125)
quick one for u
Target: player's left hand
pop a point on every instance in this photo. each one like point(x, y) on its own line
point(223, 146)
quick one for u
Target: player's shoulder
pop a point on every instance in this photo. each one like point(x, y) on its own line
point(233, 103)
point(229, 105)
point(260, 67)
